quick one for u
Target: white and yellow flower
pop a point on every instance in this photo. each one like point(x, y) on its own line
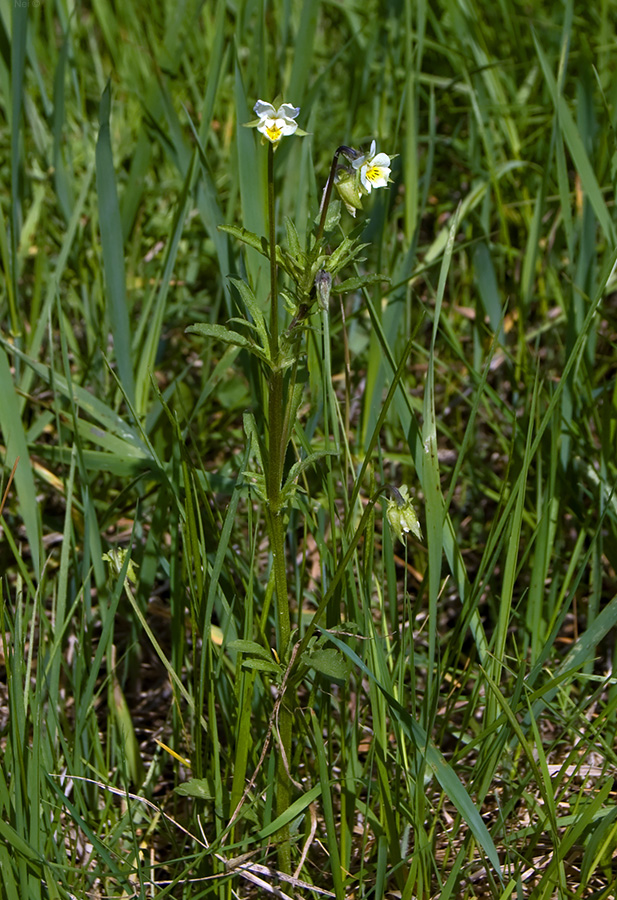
point(373, 168)
point(276, 123)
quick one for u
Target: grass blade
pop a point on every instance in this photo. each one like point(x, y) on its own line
point(17, 448)
point(111, 244)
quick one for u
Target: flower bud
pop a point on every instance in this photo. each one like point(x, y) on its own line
point(402, 516)
point(348, 189)
point(323, 286)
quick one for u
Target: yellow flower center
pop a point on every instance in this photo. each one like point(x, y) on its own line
point(373, 173)
point(274, 132)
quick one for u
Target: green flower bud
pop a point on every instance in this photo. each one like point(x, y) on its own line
point(323, 286)
point(402, 516)
point(349, 191)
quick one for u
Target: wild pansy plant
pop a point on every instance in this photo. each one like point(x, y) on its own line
point(311, 272)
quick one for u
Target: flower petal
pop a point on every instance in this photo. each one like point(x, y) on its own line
point(264, 109)
point(287, 126)
point(366, 184)
point(378, 176)
point(382, 160)
point(287, 111)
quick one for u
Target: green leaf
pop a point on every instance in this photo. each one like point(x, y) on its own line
point(327, 805)
point(152, 315)
point(126, 465)
point(226, 336)
point(250, 430)
point(128, 739)
point(359, 281)
point(576, 147)
point(247, 237)
point(299, 467)
point(200, 788)
point(330, 663)
point(250, 302)
point(333, 216)
point(111, 244)
point(296, 809)
point(262, 665)
point(293, 239)
point(347, 251)
point(12, 429)
point(251, 239)
point(250, 647)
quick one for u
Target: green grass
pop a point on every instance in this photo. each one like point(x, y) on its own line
point(453, 709)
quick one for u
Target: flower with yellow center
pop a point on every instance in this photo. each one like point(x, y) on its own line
point(374, 169)
point(276, 123)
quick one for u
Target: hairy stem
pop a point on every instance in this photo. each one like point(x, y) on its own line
point(274, 308)
point(277, 445)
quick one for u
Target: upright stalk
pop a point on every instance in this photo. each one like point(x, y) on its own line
point(274, 477)
point(276, 438)
point(274, 310)
point(279, 426)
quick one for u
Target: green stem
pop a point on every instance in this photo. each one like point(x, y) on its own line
point(275, 510)
point(274, 309)
point(277, 445)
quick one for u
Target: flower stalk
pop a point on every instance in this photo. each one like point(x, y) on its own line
point(277, 445)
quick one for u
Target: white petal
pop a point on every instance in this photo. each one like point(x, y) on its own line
point(380, 182)
point(264, 109)
point(365, 158)
point(287, 126)
point(381, 160)
point(287, 111)
point(366, 184)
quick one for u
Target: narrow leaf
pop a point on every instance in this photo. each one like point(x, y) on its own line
point(225, 336)
point(262, 665)
point(17, 447)
point(111, 244)
point(357, 282)
point(299, 467)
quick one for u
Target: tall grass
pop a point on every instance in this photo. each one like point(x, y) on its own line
point(453, 727)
